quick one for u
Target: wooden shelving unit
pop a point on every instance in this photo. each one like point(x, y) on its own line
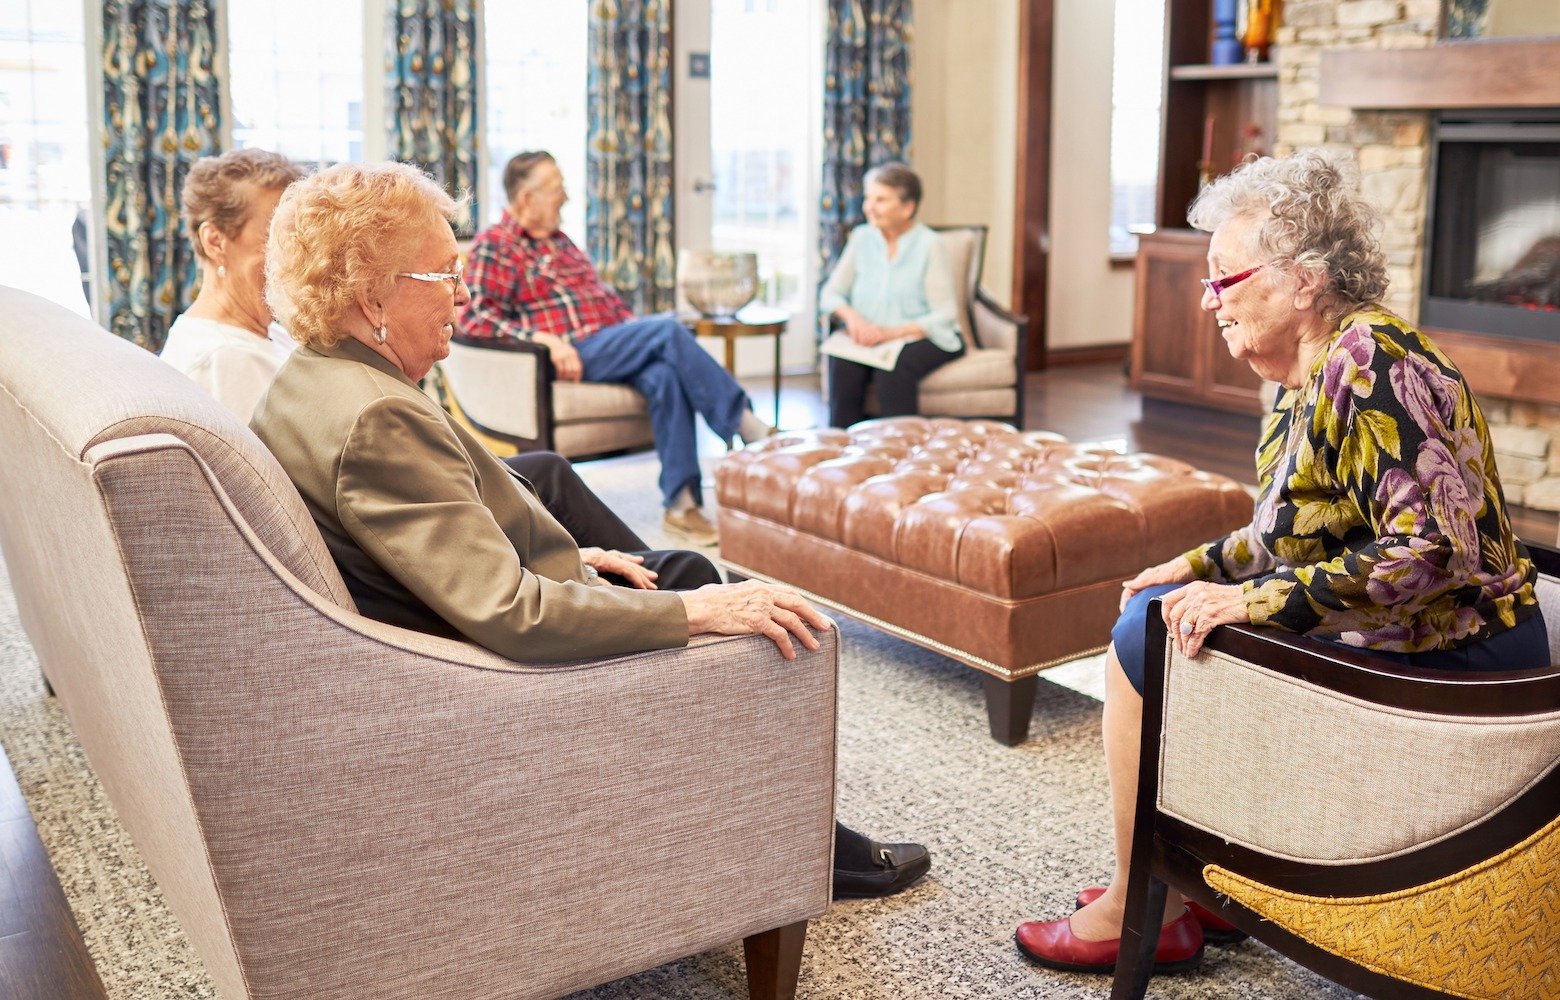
point(1177, 352)
point(1238, 71)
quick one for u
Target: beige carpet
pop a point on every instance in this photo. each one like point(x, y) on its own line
point(1014, 833)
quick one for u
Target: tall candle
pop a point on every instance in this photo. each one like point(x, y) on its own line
point(1207, 151)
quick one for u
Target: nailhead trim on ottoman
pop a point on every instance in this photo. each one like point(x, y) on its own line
point(1002, 549)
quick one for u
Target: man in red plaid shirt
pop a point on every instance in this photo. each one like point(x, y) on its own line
point(528, 280)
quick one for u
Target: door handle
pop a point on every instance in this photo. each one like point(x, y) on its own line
point(702, 185)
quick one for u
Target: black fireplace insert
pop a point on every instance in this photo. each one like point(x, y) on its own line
point(1493, 265)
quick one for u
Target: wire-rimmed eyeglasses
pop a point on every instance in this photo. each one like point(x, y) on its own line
point(455, 277)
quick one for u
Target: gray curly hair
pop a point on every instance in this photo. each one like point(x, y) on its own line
point(1310, 217)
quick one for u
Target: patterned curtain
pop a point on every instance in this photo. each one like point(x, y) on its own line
point(1466, 18)
point(628, 209)
point(866, 107)
point(431, 91)
point(160, 115)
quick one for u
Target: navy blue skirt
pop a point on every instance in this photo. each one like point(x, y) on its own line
point(1518, 648)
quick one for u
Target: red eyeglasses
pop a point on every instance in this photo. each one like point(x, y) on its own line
point(1217, 285)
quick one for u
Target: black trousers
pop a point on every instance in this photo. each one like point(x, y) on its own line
point(591, 522)
point(898, 391)
point(566, 497)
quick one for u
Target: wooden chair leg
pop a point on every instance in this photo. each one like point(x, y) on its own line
point(1139, 936)
point(1009, 704)
point(774, 961)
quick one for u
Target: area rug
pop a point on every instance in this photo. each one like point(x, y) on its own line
point(1014, 832)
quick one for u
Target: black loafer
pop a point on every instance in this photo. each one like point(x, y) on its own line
point(894, 867)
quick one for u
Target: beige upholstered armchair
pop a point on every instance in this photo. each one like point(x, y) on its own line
point(1396, 830)
point(504, 391)
point(988, 379)
point(334, 807)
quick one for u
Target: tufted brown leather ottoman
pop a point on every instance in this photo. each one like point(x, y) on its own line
point(1001, 549)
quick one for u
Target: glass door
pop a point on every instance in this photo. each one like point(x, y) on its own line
point(758, 190)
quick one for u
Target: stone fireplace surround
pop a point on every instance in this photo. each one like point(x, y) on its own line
point(1386, 125)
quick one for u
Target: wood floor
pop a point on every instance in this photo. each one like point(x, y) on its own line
point(42, 956)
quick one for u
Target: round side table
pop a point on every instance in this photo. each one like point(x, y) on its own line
point(749, 321)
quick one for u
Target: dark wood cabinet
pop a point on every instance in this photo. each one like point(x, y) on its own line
point(1177, 352)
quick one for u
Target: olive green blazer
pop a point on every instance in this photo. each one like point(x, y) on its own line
point(433, 533)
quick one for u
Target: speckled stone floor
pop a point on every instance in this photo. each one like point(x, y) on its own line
point(1014, 833)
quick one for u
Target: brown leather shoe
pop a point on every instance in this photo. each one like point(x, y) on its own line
point(690, 526)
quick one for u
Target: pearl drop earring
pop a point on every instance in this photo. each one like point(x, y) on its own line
point(222, 270)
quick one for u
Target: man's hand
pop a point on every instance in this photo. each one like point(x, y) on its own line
point(1177, 570)
point(566, 360)
point(753, 607)
point(629, 567)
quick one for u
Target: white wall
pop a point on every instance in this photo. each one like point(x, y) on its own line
point(964, 115)
point(964, 105)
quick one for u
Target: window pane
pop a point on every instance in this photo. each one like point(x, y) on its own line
point(1136, 85)
point(45, 180)
point(536, 52)
point(297, 77)
point(759, 160)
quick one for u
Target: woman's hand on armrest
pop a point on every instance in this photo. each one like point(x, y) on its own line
point(754, 608)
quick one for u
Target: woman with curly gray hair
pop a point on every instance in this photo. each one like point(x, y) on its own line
point(1380, 522)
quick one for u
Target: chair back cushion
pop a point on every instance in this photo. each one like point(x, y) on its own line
point(1548, 591)
point(69, 385)
point(966, 248)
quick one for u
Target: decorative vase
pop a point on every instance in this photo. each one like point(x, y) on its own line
point(1227, 48)
point(717, 283)
point(1259, 29)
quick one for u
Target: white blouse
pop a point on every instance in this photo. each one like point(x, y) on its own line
point(227, 361)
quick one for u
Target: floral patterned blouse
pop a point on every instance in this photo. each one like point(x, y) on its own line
point(1380, 522)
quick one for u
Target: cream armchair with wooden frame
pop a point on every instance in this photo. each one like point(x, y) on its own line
point(988, 379)
point(506, 392)
point(336, 808)
point(1396, 830)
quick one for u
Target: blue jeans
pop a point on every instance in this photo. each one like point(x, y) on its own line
point(659, 357)
point(1526, 645)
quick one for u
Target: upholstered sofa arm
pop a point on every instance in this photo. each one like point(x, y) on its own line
point(997, 327)
point(473, 825)
point(1290, 746)
point(503, 386)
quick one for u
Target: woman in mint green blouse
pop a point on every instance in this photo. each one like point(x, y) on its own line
point(892, 288)
point(1380, 524)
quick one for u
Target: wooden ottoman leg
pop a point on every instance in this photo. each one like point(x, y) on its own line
point(774, 961)
point(1009, 704)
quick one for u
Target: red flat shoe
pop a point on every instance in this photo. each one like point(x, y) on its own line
point(1052, 943)
point(1216, 930)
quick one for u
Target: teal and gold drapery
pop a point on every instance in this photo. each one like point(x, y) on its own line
point(160, 114)
point(628, 210)
point(431, 93)
point(866, 107)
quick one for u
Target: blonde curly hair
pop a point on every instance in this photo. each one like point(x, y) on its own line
point(1310, 217)
point(342, 233)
